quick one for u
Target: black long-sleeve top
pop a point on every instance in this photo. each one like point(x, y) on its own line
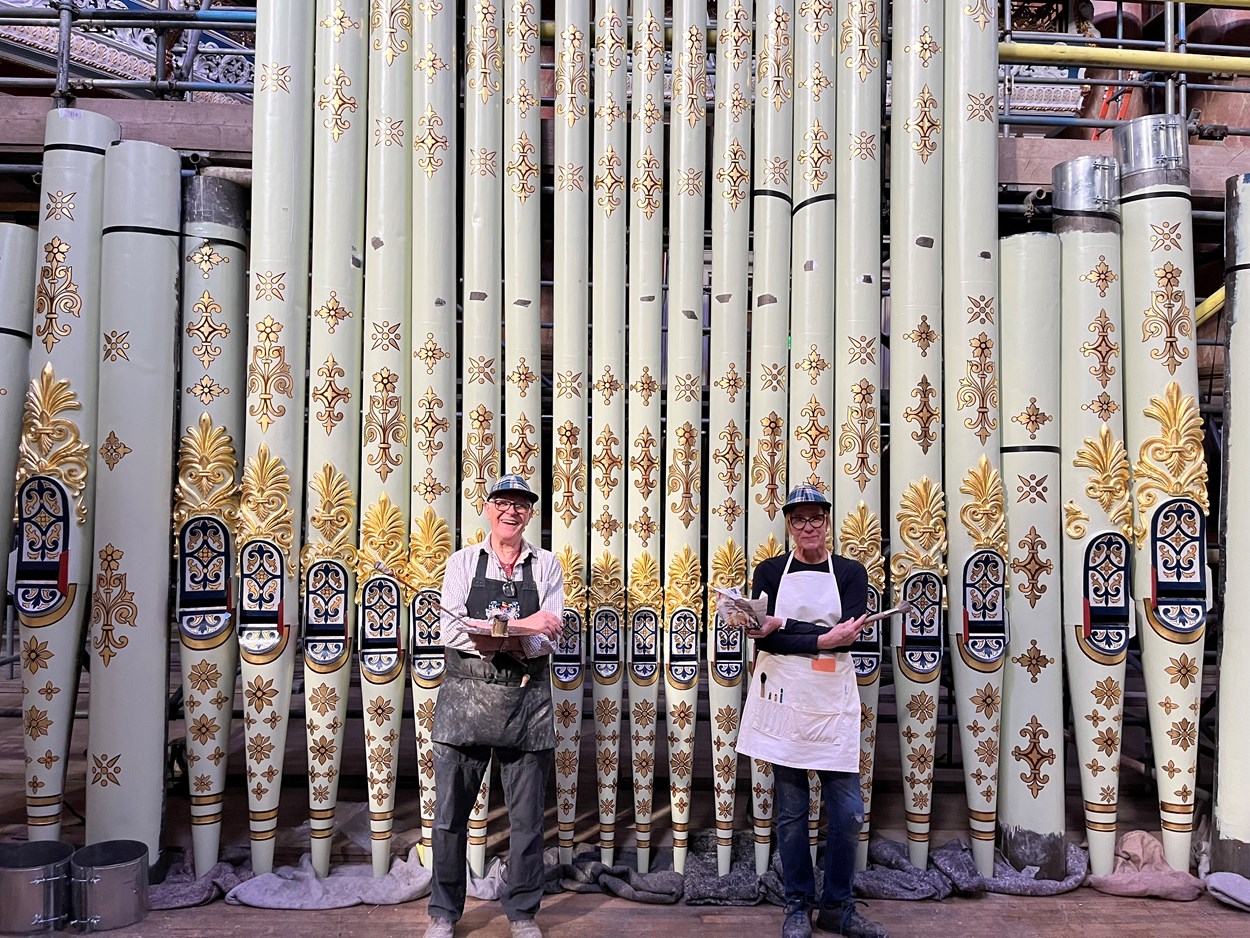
point(797, 637)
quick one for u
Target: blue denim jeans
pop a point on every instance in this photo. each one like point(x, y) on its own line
point(844, 810)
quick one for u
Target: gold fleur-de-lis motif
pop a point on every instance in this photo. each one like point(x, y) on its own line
point(112, 605)
point(734, 174)
point(814, 434)
point(775, 68)
point(523, 449)
point(979, 388)
point(924, 414)
point(768, 465)
point(329, 394)
point(609, 183)
point(683, 473)
point(268, 374)
point(860, 434)
point(568, 473)
point(385, 424)
point(1035, 754)
point(982, 12)
point(482, 52)
point(572, 75)
point(647, 183)
point(1102, 276)
point(611, 44)
point(644, 463)
point(338, 103)
point(816, 15)
point(649, 46)
point(925, 125)
point(861, 33)
point(390, 22)
point(690, 79)
point(730, 456)
point(56, 294)
point(816, 156)
point(428, 142)
point(608, 461)
point(427, 424)
point(735, 35)
point(480, 464)
point(523, 169)
point(1169, 317)
point(1104, 350)
point(206, 329)
point(523, 28)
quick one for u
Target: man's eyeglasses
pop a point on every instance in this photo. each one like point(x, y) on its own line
point(804, 524)
point(505, 505)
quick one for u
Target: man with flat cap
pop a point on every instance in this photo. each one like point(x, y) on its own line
point(496, 699)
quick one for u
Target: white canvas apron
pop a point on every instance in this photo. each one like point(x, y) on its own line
point(803, 710)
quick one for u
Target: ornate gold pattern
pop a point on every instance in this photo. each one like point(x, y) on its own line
point(983, 516)
point(113, 450)
point(1033, 660)
point(339, 103)
point(649, 46)
point(980, 107)
point(610, 183)
point(1032, 418)
point(112, 605)
point(1034, 755)
point(769, 547)
point(1074, 519)
point(56, 294)
point(979, 388)
point(338, 22)
point(572, 75)
point(1169, 317)
point(924, 414)
point(206, 329)
point(1104, 349)
point(683, 473)
point(682, 587)
point(51, 444)
point(860, 434)
point(923, 336)
point(268, 374)
point(383, 540)
point(206, 485)
point(429, 546)
point(264, 507)
point(60, 206)
point(482, 52)
point(480, 463)
point(925, 124)
point(734, 174)
point(814, 434)
point(690, 78)
point(206, 258)
point(775, 69)
point(982, 11)
point(816, 157)
point(271, 285)
point(607, 584)
point(1033, 566)
point(607, 461)
point(1165, 236)
point(813, 364)
point(644, 462)
point(926, 47)
point(428, 142)
point(922, 531)
point(768, 465)
point(647, 183)
point(523, 449)
point(574, 567)
point(428, 424)
point(730, 456)
point(430, 64)
point(1102, 276)
point(391, 18)
point(385, 424)
point(329, 394)
point(1171, 463)
point(333, 518)
point(860, 539)
point(815, 13)
point(1107, 462)
point(644, 582)
point(568, 476)
point(861, 32)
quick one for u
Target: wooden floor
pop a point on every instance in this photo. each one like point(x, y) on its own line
point(1082, 912)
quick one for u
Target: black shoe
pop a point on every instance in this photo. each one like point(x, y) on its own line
point(847, 921)
point(797, 925)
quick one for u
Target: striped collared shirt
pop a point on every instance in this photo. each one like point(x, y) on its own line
point(458, 578)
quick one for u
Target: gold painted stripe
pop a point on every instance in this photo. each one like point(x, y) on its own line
point(681, 826)
point(643, 827)
point(1173, 808)
point(918, 837)
point(321, 833)
point(43, 802)
point(1106, 828)
point(985, 817)
point(381, 815)
point(981, 835)
point(1094, 807)
point(207, 799)
point(264, 835)
point(270, 815)
point(321, 814)
point(1183, 827)
point(204, 820)
point(914, 818)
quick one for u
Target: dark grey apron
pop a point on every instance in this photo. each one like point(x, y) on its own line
point(489, 703)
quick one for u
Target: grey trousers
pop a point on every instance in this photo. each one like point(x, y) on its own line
point(458, 772)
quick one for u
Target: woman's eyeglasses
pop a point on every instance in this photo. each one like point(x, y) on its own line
point(804, 524)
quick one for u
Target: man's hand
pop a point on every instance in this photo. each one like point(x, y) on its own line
point(544, 623)
point(767, 627)
point(841, 635)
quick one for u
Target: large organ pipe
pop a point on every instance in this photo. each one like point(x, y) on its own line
point(129, 638)
point(1094, 485)
point(606, 627)
point(857, 365)
point(327, 580)
point(56, 464)
point(435, 458)
point(978, 548)
point(1232, 823)
point(683, 586)
point(273, 474)
point(569, 411)
point(481, 302)
point(770, 326)
point(730, 188)
point(206, 496)
point(918, 506)
point(1031, 788)
point(385, 468)
point(644, 489)
point(17, 285)
point(1163, 429)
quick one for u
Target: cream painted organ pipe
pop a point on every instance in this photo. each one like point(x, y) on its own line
point(56, 463)
point(918, 505)
point(1163, 430)
point(327, 581)
point(1031, 785)
point(1094, 483)
point(273, 477)
point(129, 638)
point(206, 496)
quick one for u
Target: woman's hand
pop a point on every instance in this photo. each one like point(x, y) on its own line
point(767, 627)
point(841, 635)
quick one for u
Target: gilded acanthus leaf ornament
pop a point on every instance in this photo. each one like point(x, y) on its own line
point(729, 565)
point(644, 582)
point(607, 586)
point(383, 540)
point(983, 515)
point(51, 444)
point(922, 531)
point(769, 547)
point(574, 567)
point(333, 518)
point(1171, 464)
point(429, 546)
point(684, 579)
point(860, 537)
point(1074, 520)
point(1107, 462)
point(265, 506)
point(207, 465)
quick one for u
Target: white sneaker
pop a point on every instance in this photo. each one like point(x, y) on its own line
point(526, 928)
point(439, 928)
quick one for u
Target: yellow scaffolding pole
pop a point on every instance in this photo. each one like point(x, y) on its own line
point(1142, 59)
